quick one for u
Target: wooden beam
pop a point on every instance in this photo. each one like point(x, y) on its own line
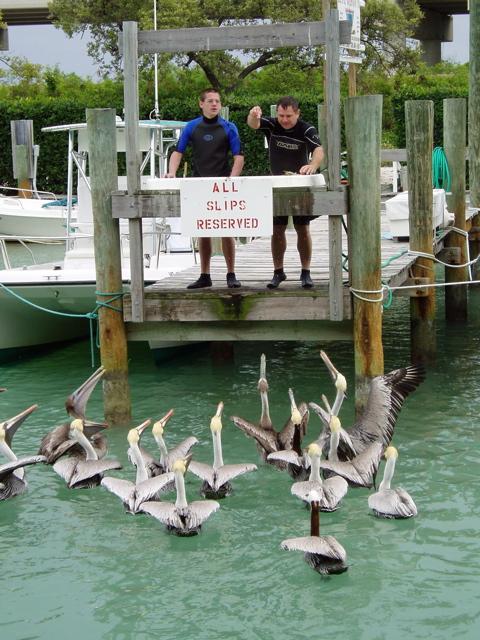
point(239, 331)
point(259, 36)
point(151, 204)
point(393, 155)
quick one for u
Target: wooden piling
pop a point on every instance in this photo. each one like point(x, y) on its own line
point(22, 152)
point(363, 127)
point(474, 128)
point(454, 143)
point(419, 136)
point(113, 340)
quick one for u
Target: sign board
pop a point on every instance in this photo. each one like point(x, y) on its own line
point(350, 10)
point(222, 207)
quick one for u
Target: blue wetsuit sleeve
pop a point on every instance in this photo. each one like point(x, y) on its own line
point(185, 136)
point(234, 139)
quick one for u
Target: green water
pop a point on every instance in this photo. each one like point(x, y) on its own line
point(75, 566)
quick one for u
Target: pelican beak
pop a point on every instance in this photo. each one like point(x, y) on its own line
point(76, 402)
point(141, 427)
point(328, 363)
point(2, 389)
point(12, 424)
point(187, 461)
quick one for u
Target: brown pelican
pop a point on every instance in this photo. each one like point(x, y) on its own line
point(182, 518)
point(339, 380)
point(144, 488)
point(267, 438)
point(387, 502)
point(323, 553)
point(167, 458)
point(297, 463)
point(8, 428)
point(82, 470)
point(377, 422)
point(216, 479)
point(12, 485)
point(57, 442)
point(330, 491)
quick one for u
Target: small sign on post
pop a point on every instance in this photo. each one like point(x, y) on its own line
point(222, 207)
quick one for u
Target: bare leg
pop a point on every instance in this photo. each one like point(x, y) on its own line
point(228, 248)
point(205, 250)
point(279, 245)
point(304, 245)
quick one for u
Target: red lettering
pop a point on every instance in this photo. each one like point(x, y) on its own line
point(231, 223)
point(233, 204)
point(224, 223)
point(200, 224)
point(234, 189)
point(217, 206)
point(254, 223)
point(208, 224)
point(225, 187)
point(215, 188)
point(210, 205)
point(242, 205)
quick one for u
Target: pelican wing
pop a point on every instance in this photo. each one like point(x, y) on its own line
point(287, 434)
point(203, 471)
point(302, 489)
point(149, 488)
point(393, 502)
point(9, 467)
point(76, 403)
point(362, 469)
point(56, 443)
point(165, 512)
point(11, 425)
point(289, 456)
point(181, 450)
point(65, 467)
point(230, 471)
point(386, 397)
point(321, 413)
point(334, 489)
point(266, 438)
point(86, 469)
point(199, 511)
point(326, 546)
point(122, 488)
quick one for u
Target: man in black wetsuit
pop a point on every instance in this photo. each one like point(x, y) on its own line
point(294, 146)
point(213, 139)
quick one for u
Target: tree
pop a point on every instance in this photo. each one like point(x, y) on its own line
point(226, 70)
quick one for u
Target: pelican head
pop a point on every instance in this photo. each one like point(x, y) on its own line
point(337, 377)
point(180, 465)
point(160, 425)
point(391, 452)
point(335, 424)
point(262, 383)
point(216, 421)
point(76, 426)
point(296, 416)
point(313, 450)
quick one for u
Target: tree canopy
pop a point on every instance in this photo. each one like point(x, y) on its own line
point(385, 27)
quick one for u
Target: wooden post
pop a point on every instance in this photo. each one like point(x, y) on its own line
point(363, 126)
point(474, 127)
point(322, 132)
point(22, 154)
point(352, 79)
point(454, 143)
point(130, 71)
point(419, 136)
point(113, 341)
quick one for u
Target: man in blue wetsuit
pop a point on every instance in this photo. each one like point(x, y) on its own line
point(213, 140)
point(294, 146)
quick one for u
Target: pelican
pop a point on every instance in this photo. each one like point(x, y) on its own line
point(298, 464)
point(12, 485)
point(57, 442)
point(339, 381)
point(182, 518)
point(323, 553)
point(267, 438)
point(144, 488)
point(329, 491)
point(387, 502)
point(167, 458)
point(8, 428)
point(216, 479)
point(82, 470)
point(377, 422)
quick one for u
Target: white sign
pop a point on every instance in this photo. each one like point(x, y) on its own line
point(350, 10)
point(221, 207)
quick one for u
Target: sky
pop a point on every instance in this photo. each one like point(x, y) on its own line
point(46, 45)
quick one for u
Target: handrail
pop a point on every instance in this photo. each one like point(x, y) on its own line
point(34, 192)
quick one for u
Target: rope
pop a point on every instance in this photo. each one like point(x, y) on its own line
point(90, 315)
point(440, 170)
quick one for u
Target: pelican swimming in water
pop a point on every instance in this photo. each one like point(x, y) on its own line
point(182, 518)
point(388, 502)
point(164, 464)
point(85, 469)
point(329, 491)
point(12, 485)
point(296, 461)
point(57, 442)
point(216, 478)
point(267, 438)
point(323, 553)
point(377, 422)
point(8, 429)
point(145, 487)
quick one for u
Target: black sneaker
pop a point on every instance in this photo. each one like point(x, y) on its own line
point(232, 282)
point(203, 281)
point(278, 277)
point(305, 279)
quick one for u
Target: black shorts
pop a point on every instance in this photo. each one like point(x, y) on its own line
point(297, 220)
